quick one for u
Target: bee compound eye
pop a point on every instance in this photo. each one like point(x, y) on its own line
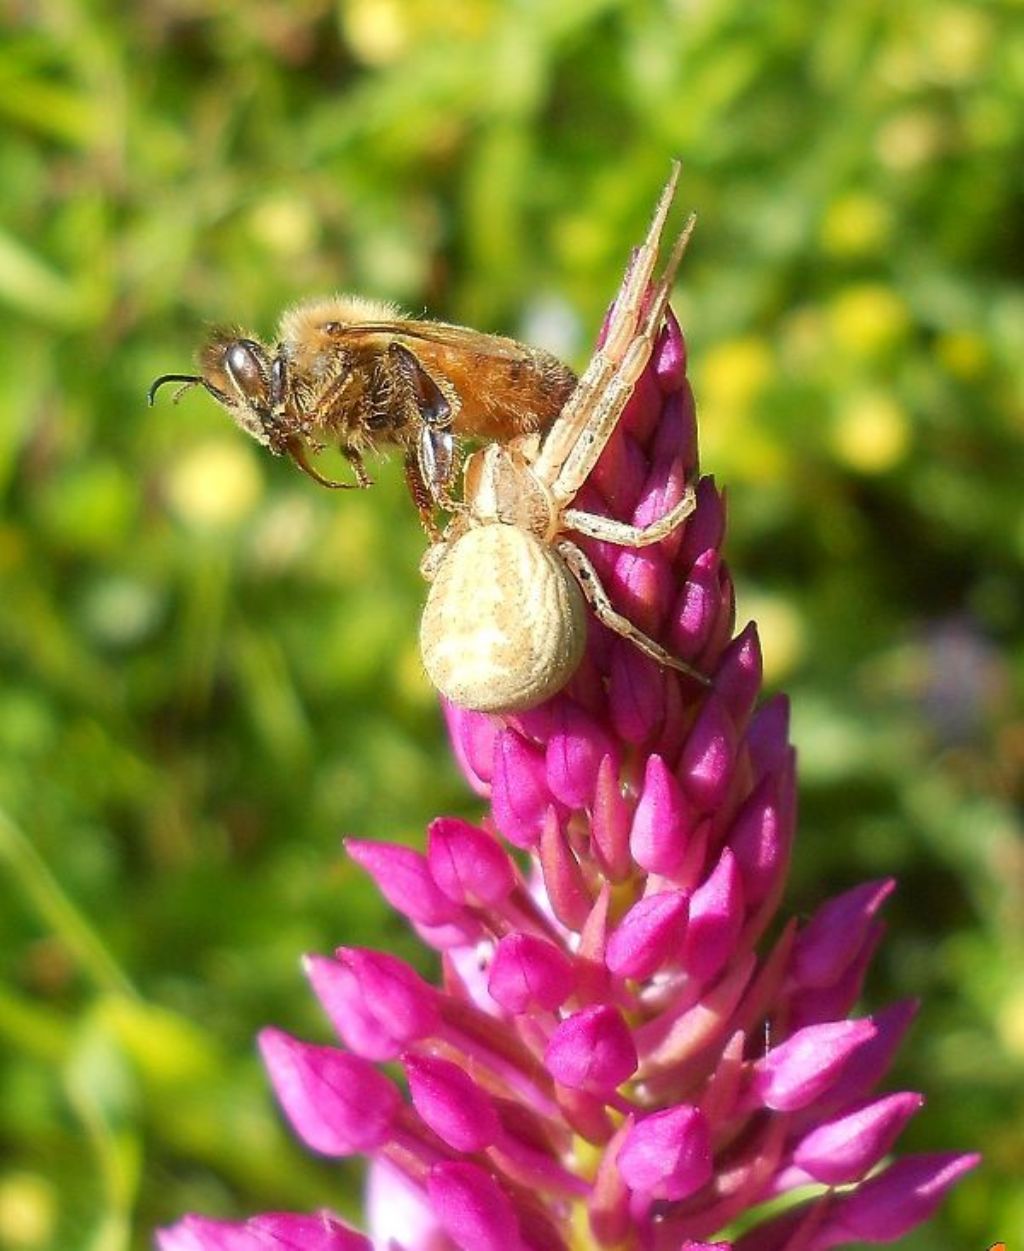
point(278, 381)
point(245, 366)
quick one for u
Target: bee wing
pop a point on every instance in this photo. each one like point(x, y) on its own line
point(440, 334)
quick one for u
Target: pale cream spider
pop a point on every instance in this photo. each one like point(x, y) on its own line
point(505, 626)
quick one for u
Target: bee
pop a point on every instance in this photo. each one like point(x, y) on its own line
point(361, 375)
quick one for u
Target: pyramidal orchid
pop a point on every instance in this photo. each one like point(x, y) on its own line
point(628, 1050)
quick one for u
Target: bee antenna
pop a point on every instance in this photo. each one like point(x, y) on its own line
point(189, 380)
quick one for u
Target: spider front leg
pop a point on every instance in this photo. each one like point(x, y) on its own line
point(597, 597)
point(622, 327)
point(621, 533)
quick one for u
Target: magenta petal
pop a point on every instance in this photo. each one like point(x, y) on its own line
point(519, 795)
point(705, 767)
point(663, 821)
point(844, 1149)
point(636, 693)
point(199, 1233)
point(832, 939)
point(650, 934)
point(473, 1209)
point(377, 1003)
point(283, 1231)
point(716, 918)
point(529, 971)
point(759, 841)
point(472, 735)
point(892, 1203)
point(451, 1103)
point(805, 1066)
point(668, 1154)
point(337, 1103)
point(404, 880)
point(576, 747)
point(469, 865)
point(738, 677)
point(592, 1050)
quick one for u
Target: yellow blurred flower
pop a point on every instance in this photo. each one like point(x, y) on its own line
point(28, 1211)
point(735, 372)
point(867, 318)
point(284, 224)
point(855, 224)
point(380, 32)
point(871, 433)
point(782, 630)
point(963, 353)
point(215, 485)
point(957, 42)
point(910, 139)
point(1010, 1020)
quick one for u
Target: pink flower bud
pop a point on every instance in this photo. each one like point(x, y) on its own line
point(274, 1231)
point(519, 790)
point(801, 1069)
point(716, 918)
point(650, 934)
point(845, 1148)
point(451, 1103)
point(592, 1050)
point(705, 769)
point(832, 939)
point(663, 822)
point(337, 1103)
point(529, 971)
point(377, 1003)
point(473, 1209)
point(404, 880)
point(576, 747)
point(888, 1205)
point(469, 865)
point(668, 1154)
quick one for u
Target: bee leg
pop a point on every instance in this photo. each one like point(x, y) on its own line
point(363, 479)
point(421, 494)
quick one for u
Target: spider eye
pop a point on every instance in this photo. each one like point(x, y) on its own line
point(245, 364)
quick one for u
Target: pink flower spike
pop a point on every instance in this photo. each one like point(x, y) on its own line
point(636, 693)
point(801, 1069)
point(768, 737)
point(663, 821)
point(650, 934)
point(844, 1149)
point(890, 1204)
point(609, 823)
point(403, 877)
point(337, 1103)
point(668, 1154)
point(469, 865)
point(451, 1103)
point(716, 918)
point(869, 1062)
point(473, 1209)
point(283, 1231)
point(377, 1003)
point(592, 1050)
point(529, 971)
point(705, 769)
point(832, 938)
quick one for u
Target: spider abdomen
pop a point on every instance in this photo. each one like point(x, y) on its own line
point(505, 624)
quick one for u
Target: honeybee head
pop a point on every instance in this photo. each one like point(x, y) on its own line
point(243, 377)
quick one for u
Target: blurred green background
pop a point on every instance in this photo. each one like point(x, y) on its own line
point(209, 666)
